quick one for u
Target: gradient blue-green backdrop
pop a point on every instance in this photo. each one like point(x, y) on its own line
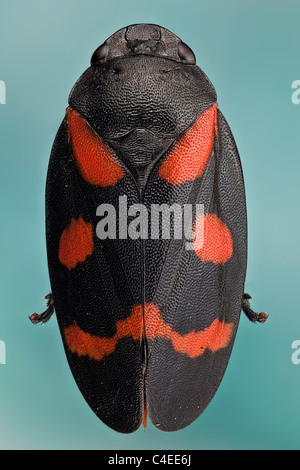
point(250, 51)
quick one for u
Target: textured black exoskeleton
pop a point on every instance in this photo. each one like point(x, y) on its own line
point(148, 325)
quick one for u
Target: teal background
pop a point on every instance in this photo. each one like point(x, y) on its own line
point(250, 51)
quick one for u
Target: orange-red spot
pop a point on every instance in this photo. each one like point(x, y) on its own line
point(76, 243)
point(188, 158)
point(94, 159)
point(193, 344)
point(96, 347)
point(263, 317)
point(214, 242)
point(145, 416)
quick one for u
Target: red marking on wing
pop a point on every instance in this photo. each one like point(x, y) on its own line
point(189, 156)
point(145, 416)
point(76, 243)
point(96, 347)
point(216, 245)
point(95, 161)
point(193, 344)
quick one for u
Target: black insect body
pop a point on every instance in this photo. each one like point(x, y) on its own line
point(148, 320)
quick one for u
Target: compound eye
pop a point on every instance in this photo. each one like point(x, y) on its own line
point(185, 53)
point(99, 54)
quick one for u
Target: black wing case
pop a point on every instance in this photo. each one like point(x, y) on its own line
point(93, 284)
point(194, 297)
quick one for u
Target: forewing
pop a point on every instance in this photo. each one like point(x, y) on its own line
point(93, 284)
point(194, 297)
